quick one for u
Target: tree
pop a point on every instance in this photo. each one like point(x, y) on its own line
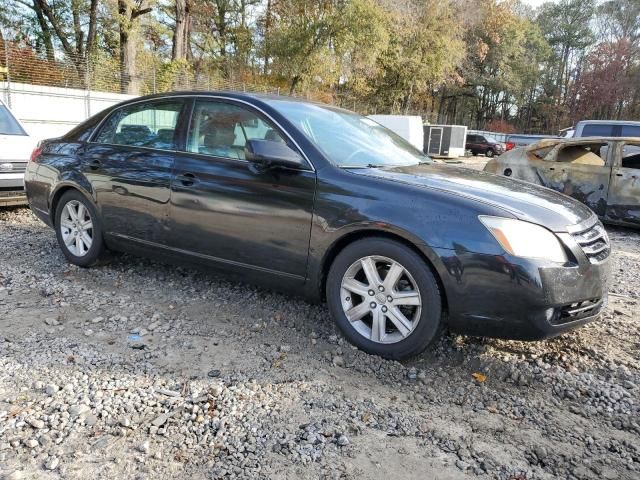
point(566, 26)
point(182, 31)
point(128, 14)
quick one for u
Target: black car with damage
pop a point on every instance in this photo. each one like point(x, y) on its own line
point(320, 201)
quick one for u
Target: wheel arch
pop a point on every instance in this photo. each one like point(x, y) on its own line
point(428, 256)
point(57, 194)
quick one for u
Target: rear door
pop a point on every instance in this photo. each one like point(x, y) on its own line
point(129, 164)
point(624, 193)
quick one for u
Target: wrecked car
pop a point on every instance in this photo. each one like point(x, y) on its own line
point(316, 200)
point(601, 172)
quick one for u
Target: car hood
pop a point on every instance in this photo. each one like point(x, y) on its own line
point(523, 200)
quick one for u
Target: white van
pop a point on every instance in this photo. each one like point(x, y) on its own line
point(607, 128)
point(15, 148)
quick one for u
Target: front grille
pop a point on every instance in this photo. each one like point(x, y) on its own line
point(594, 242)
point(16, 167)
point(577, 311)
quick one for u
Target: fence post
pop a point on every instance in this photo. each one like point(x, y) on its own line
point(87, 86)
point(6, 58)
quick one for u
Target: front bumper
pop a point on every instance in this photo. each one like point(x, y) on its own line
point(521, 299)
point(12, 189)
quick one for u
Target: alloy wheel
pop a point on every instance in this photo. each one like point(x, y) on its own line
point(76, 227)
point(381, 299)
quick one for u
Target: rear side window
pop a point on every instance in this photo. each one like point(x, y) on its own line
point(8, 124)
point(151, 125)
point(597, 130)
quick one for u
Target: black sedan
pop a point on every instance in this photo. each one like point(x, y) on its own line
point(320, 201)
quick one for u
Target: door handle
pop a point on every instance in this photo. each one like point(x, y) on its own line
point(95, 164)
point(187, 179)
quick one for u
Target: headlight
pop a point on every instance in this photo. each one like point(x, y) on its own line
point(524, 239)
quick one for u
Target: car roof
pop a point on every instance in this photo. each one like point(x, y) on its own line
point(608, 122)
point(219, 93)
point(550, 142)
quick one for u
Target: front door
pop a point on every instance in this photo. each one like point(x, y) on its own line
point(581, 171)
point(129, 165)
point(435, 141)
point(224, 209)
point(624, 193)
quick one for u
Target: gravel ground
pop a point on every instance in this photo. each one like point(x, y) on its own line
point(138, 370)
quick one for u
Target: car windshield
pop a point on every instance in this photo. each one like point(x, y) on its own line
point(8, 124)
point(347, 139)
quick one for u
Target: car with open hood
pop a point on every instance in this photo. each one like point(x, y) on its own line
point(319, 201)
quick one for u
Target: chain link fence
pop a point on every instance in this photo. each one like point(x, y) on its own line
point(101, 77)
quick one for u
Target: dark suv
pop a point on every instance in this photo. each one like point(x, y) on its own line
point(485, 144)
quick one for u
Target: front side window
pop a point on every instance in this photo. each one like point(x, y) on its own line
point(223, 129)
point(589, 154)
point(151, 125)
point(8, 124)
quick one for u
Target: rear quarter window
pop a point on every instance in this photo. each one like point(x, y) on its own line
point(631, 130)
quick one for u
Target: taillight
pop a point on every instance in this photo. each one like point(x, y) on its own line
point(36, 152)
point(510, 145)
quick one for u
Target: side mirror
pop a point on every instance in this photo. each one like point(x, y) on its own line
point(272, 154)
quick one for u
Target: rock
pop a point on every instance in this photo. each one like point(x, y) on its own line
point(169, 393)
point(412, 374)
point(342, 440)
point(91, 420)
point(213, 373)
point(51, 389)
point(160, 420)
point(338, 361)
point(16, 475)
point(88, 332)
point(125, 422)
point(144, 447)
point(540, 452)
point(97, 320)
point(31, 443)
point(79, 410)
point(462, 465)
point(51, 463)
point(35, 423)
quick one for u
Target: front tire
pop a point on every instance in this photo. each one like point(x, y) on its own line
point(384, 298)
point(78, 229)
point(490, 153)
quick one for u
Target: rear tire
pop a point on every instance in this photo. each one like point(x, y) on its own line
point(389, 293)
point(78, 229)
